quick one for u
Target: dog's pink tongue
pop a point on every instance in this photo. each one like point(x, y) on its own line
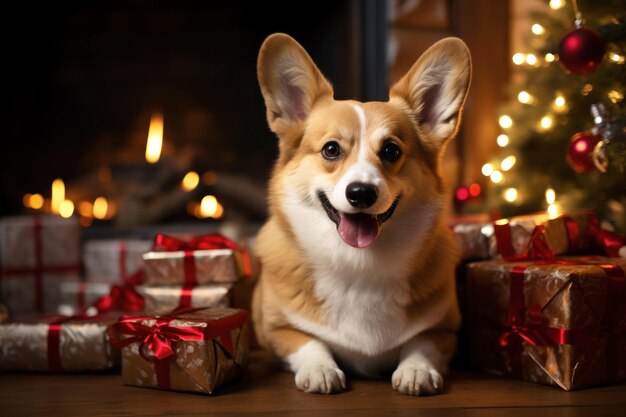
point(358, 230)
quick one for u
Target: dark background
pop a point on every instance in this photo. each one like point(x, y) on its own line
point(82, 78)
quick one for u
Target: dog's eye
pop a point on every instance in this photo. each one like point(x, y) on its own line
point(331, 150)
point(390, 152)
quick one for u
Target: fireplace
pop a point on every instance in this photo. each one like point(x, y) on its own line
point(96, 79)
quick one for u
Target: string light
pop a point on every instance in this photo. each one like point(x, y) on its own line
point(508, 163)
point(550, 196)
point(487, 169)
point(190, 181)
point(496, 177)
point(616, 58)
point(546, 122)
point(518, 58)
point(557, 4)
point(524, 97)
point(537, 29)
point(615, 96)
point(559, 101)
point(587, 88)
point(474, 189)
point(553, 210)
point(505, 121)
point(549, 57)
point(510, 194)
point(502, 140)
point(531, 59)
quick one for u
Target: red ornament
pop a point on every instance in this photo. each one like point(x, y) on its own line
point(582, 50)
point(580, 151)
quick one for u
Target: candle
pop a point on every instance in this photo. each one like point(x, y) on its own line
point(58, 195)
point(100, 208)
point(155, 139)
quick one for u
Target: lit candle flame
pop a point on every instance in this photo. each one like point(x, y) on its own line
point(66, 209)
point(190, 181)
point(100, 208)
point(155, 139)
point(208, 206)
point(58, 195)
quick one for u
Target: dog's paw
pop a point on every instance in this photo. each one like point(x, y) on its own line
point(320, 378)
point(417, 380)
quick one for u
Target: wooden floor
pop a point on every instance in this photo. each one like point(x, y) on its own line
point(267, 390)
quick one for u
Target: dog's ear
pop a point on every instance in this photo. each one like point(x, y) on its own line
point(290, 82)
point(435, 89)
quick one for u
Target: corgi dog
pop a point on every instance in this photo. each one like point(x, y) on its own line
point(357, 265)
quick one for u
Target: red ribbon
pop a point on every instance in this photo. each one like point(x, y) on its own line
point(161, 337)
point(123, 297)
point(185, 296)
point(54, 337)
point(211, 241)
point(54, 344)
point(123, 255)
point(526, 324)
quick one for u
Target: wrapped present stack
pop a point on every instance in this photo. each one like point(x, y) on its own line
point(200, 271)
point(537, 313)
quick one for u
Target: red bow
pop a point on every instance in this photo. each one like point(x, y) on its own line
point(211, 241)
point(157, 338)
point(123, 297)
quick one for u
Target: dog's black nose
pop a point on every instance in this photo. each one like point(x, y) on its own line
point(361, 195)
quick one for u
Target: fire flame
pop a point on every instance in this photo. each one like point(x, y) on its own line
point(58, 195)
point(155, 139)
point(100, 208)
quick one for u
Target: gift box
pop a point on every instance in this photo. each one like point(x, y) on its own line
point(197, 350)
point(77, 296)
point(37, 253)
point(538, 235)
point(113, 261)
point(58, 344)
point(202, 260)
point(158, 298)
point(560, 322)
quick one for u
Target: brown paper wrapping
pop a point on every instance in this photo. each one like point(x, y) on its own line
point(211, 266)
point(158, 298)
point(83, 346)
point(109, 260)
point(478, 239)
point(201, 366)
point(570, 297)
point(60, 247)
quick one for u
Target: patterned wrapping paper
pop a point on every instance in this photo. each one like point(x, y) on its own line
point(191, 365)
point(37, 253)
point(82, 346)
point(569, 326)
point(77, 296)
point(159, 298)
point(207, 266)
point(113, 261)
point(479, 238)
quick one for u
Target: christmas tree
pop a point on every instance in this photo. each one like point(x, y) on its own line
point(554, 153)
